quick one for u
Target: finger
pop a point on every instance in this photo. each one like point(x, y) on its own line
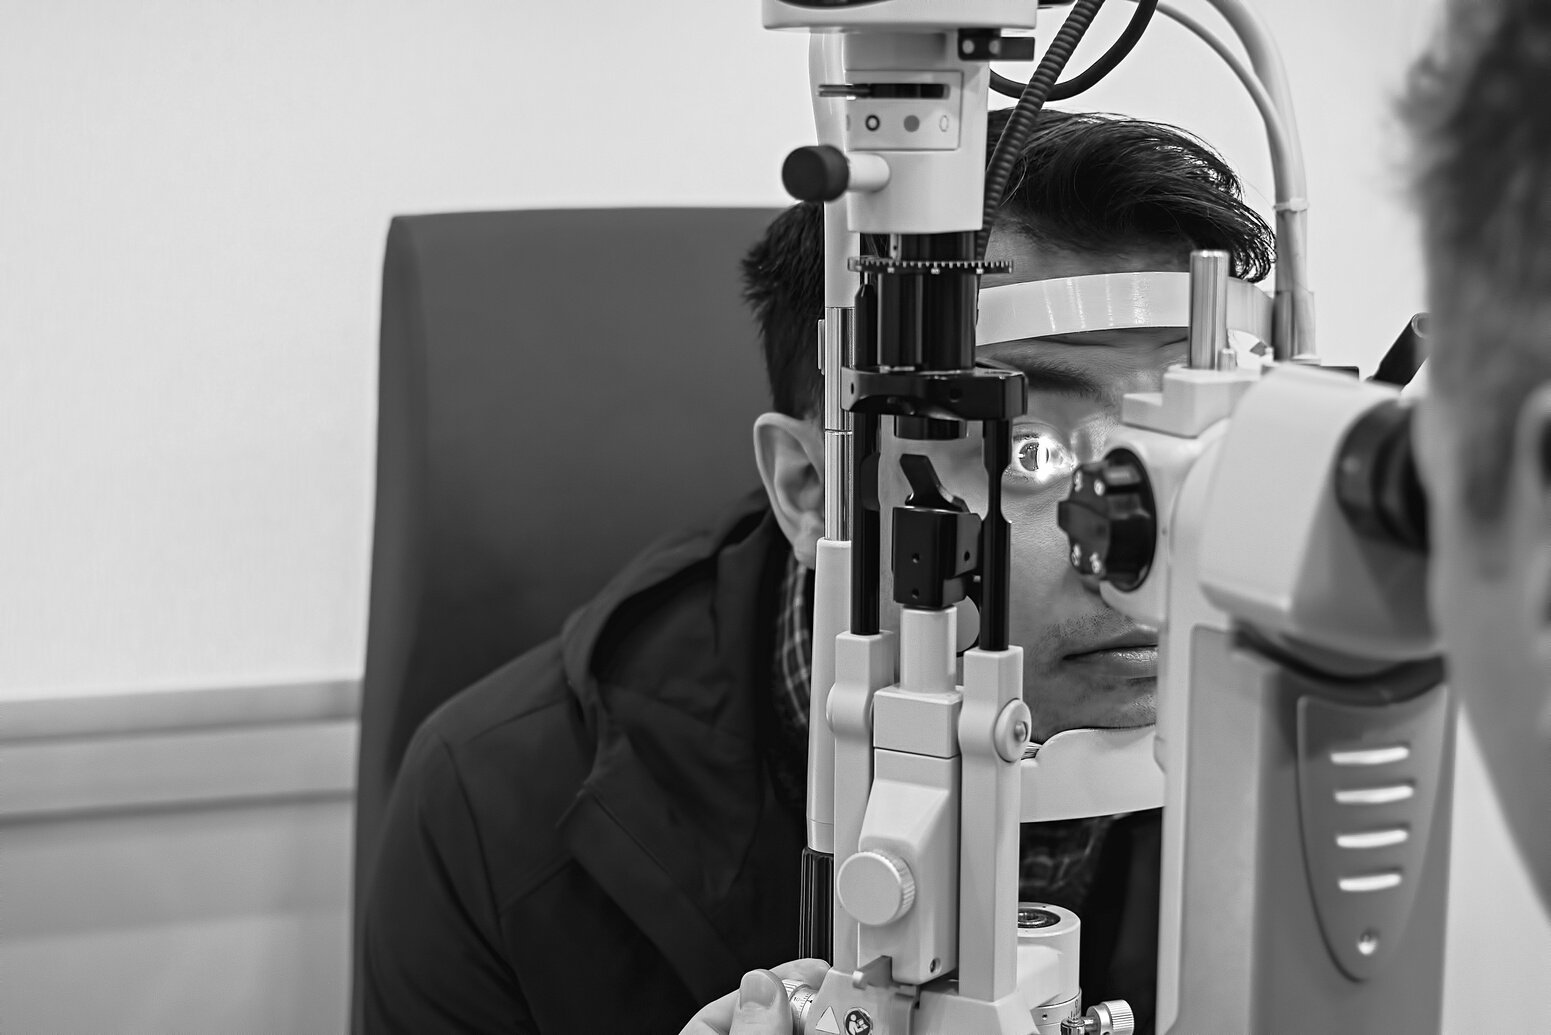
point(713, 1018)
point(762, 1007)
point(808, 971)
point(717, 1018)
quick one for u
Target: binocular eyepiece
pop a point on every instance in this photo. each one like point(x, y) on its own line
point(1376, 479)
point(1111, 516)
point(1377, 484)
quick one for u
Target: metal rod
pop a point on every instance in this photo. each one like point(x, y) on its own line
point(865, 530)
point(995, 541)
point(836, 334)
point(1208, 307)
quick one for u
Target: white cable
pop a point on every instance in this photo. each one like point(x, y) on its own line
point(1266, 81)
point(1265, 59)
point(1286, 162)
point(1295, 303)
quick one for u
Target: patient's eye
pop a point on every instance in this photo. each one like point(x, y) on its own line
point(1040, 459)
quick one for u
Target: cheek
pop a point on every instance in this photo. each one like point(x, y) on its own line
point(1466, 606)
point(1451, 577)
point(1427, 446)
point(1430, 438)
point(1443, 591)
point(1039, 547)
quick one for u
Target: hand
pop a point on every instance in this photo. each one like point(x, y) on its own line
point(759, 1006)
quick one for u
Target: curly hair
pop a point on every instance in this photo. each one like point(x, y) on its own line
point(1481, 129)
point(1096, 184)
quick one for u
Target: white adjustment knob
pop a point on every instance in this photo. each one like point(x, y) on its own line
point(1114, 1017)
point(875, 887)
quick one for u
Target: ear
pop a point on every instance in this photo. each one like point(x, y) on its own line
point(790, 455)
point(1528, 518)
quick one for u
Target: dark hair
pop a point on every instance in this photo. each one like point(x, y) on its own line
point(1481, 125)
point(1087, 183)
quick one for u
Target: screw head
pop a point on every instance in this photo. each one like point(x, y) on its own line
point(1095, 564)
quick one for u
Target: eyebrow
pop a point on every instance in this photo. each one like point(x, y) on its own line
point(1044, 374)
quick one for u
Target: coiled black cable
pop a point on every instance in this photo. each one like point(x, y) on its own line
point(1021, 123)
point(1090, 76)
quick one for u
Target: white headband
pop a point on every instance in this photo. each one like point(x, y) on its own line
point(1109, 301)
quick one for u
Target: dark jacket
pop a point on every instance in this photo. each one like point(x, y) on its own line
point(587, 840)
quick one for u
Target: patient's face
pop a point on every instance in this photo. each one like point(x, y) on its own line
point(1085, 664)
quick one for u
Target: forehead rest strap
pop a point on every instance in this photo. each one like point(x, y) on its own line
point(1111, 301)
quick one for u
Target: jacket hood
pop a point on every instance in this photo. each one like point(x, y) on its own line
point(676, 819)
point(729, 554)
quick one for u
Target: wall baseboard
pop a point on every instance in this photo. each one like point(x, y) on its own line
point(187, 850)
point(104, 713)
point(156, 749)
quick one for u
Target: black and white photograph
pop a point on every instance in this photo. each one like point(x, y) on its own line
point(775, 517)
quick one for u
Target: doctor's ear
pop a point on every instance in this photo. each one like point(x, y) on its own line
point(790, 455)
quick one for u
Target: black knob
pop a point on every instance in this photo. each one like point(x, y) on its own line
point(936, 540)
point(1405, 356)
point(1377, 484)
point(1111, 521)
point(818, 173)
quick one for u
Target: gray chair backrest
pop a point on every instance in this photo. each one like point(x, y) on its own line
point(556, 390)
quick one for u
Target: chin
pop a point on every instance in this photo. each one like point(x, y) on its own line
point(1141, 712)
point(1129, 708)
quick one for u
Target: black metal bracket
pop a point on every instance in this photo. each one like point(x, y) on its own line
point(991, 45)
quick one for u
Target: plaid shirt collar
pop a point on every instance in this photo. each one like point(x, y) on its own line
point(794, 649)
point(1057, 860)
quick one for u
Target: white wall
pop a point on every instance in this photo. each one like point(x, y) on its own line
point(193, 201)
point(177, 861)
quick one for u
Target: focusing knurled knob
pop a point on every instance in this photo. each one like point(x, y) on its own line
point(876, 887)
point(1114, 1017)
point(1110, 520)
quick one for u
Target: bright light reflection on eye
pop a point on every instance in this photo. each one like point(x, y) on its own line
point(1041, 458)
